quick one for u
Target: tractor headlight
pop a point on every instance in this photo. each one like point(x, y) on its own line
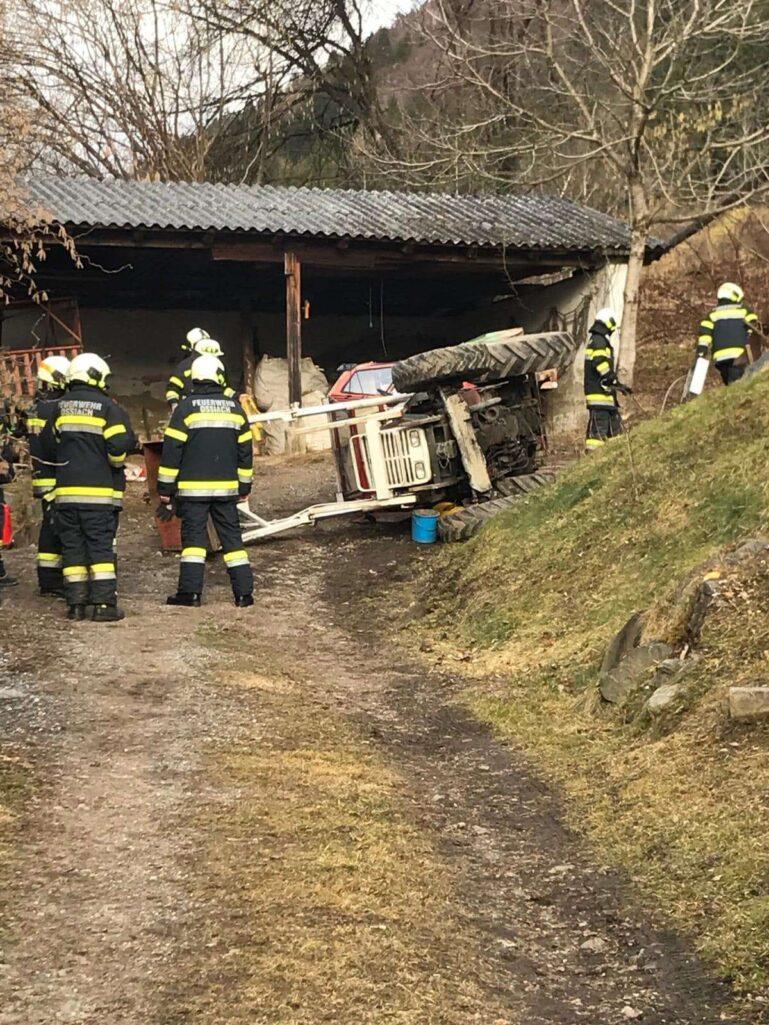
point(419, 471)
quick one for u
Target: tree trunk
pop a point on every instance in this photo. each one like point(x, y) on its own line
point(639, 233)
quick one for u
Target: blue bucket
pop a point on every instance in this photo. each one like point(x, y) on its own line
point(424, 526)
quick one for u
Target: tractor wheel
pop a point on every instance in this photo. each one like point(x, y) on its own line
point(460, 526)
point(492, 357)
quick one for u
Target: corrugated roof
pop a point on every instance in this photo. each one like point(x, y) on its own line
point(521, 222)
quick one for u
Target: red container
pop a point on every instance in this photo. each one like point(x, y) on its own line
point(170, 532)
point(6, 541)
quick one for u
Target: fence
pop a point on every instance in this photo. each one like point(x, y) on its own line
point(18, 367)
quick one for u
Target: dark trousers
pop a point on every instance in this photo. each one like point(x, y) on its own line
point(224, 514)
point(2, 528)
point(730, 370)
point(49, 557)
point(602, 425)
point(87, 533)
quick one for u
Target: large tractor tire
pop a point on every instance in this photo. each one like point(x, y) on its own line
point(491, 357)
point(461, 525)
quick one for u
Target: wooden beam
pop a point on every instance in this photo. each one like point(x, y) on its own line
point(293, 269)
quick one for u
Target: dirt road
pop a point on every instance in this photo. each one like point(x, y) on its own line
point(268, 816)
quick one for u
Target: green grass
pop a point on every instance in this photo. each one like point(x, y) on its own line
point(681, 804)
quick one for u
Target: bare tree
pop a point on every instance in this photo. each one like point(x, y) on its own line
point(135, 88)
point(654, 109)
point(25, 232)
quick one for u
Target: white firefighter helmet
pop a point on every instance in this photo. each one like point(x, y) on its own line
point(730, 292)
point(53, 371)
point(88, 368)
point(195, 335)
point(208, 368)
point(608, 317)
point(208, 347)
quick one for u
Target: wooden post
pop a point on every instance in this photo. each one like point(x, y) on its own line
point(294, 326)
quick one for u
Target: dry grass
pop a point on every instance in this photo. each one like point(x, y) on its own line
point(340, 902)
point(683, 806)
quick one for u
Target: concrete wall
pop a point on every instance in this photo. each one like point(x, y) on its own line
point(143, 345)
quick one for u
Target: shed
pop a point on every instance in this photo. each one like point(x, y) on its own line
point(338, 275)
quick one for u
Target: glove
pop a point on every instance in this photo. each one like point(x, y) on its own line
point(166, 511)
point(623, 389)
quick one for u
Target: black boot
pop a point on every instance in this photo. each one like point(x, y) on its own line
point(107, 614)
point(245, 601)
point(5, 579)
point(185, 598)
point(76, 612)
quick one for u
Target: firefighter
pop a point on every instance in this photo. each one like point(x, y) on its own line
point(178, 382)
point(51, 385)
point(207, 468)
point(724, 333)
point(87, 440)
point(601, 382)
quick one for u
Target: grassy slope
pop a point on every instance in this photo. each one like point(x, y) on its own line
point(685, 806)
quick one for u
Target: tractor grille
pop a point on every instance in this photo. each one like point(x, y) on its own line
point(405, 457)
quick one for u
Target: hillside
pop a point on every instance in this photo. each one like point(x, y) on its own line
point(679, 800)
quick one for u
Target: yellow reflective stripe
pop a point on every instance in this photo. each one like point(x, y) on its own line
point(194, 485)
point(44, 482)
point(729, 313)
point(194, 551)
point(103, 567)
point(166, 471)
point(732, 353)
point(76, 418)
point(600, 397)
point(705, 339)
point(235, 418)
point(177, 381)
point(707, 324)
point(590, 353)
point(172, 432)
point(233, 556)
point(34, 421)
point(49, 558)
point(96, 492)
point(75, 571)
point(751, 318)
point(245, 436)
point(112, 431)
point(246, 474)
point(603, 368)
point(116, 460)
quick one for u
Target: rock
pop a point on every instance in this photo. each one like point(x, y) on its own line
point(622, 643)
point(617, 685)
point(664, 697)
point(595, 945)
point(749, 704)
point(748, 550)
point(11, 693)
point(631, 1013)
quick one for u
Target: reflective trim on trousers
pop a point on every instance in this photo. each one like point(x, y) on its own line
point(233, 559)
point(75, 574)
point(194, 555)
point(50, 560)
point(103, 571)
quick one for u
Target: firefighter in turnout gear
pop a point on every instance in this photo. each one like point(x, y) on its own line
point(51, 385)
point(207, 468)
point(724, 333)
point(601, 383)
point(88, 439)
point(179, 381)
